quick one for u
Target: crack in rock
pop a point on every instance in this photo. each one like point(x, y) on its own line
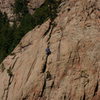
point(11, 76)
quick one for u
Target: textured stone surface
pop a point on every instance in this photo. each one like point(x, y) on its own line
point(71, 71)
point(33, 4)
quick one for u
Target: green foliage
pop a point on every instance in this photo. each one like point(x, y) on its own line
point(5, 36)
point(20, 6)
point(11, 35)
point(47, 10)
point(9, 71)
point(2, 67)
point(3, 19)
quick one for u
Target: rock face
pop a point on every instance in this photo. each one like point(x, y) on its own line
point(33, 4)
point(71, 71)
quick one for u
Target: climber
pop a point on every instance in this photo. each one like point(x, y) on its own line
point(48, 52)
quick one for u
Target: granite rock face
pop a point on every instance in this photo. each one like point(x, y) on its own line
point(71, 71)
point(33, 4)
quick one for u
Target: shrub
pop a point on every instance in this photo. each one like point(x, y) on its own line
point(20, 6)
point(9, 72)
point(2, 67)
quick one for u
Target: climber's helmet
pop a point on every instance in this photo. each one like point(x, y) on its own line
point(48, 52)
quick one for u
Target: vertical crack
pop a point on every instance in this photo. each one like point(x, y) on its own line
point(47, 30)
point(52, 24)
point(9, 83)
point(43, 88)
point(96, 89)
point(84, 97)
point(6, 91)
point(59, 46)
point(45, 65)
point(50, 29)
point(14, 63)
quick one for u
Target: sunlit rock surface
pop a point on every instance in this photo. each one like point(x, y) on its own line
point(71, 71)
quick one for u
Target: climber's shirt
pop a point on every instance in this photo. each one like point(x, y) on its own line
point(48, 51)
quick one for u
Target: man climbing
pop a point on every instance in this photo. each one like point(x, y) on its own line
point(48, 52)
